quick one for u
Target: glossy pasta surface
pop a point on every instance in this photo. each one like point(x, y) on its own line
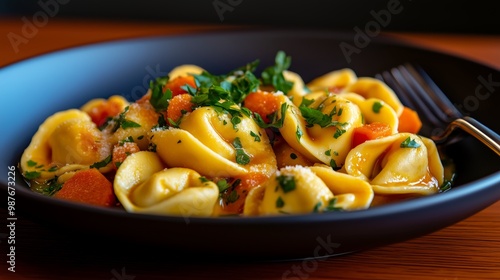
point(242, 143)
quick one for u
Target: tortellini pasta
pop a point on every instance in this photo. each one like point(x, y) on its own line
point(209, 143)
point(398, 164)
point(64, 142)
point(327, 141)
point(199, 144)
point(298, 189)
point(143, 185)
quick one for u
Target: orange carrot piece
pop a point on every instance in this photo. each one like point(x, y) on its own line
point(263, 103)
point(369, 132)
point(237, 203)
point(176, 84)
point(100, 113)
point(409, 121)
point(88, 186)
point(121, 152)
point(178, 106)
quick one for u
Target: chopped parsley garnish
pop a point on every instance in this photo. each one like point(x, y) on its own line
point(306, 102)
point(118, 163)
point(235, 120)
point(273, 75)
point(333, 164)
point(338, 133)
point(233, 87)
point(293, 156)
point(276, 121)
point(409, 143)
point(119, 121)
point(446, 186)
point(330, 207)
point(232, 197)
point(377, 106)
point(316, 207)
point(256, 137)
point(203, 179)
point(159, 99)
point(298, 133)
point(222, 185)
point(241, 157)
point(140, 137)
point(52, 169)
point(101, 163)
point(129, 124)
point(315, 116)
point(53, 187)
point(328, 152)
point(31, 163)
point(31, 175)
point(279, 202)
point(286, 182)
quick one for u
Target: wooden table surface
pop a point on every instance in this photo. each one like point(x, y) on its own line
point(467, 250)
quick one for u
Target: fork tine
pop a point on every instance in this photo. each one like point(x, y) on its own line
point(439, 98)
point(406, 92)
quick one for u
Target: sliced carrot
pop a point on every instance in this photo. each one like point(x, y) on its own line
point(122, 151)
point(233, 200)
point(409, 121)
point(263, 103)
point(178, 106)
point(176, 84)
point(369, 132)
point(88, 186)
point(101, 112)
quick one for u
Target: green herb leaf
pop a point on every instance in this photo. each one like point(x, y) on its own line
point(129, 124)
point(286, 182)
point(328, 152)
point(256, 137)
point(333, 164)
point(338, 133)
point(331, 206)
point(409, 143)
point(222, 185)
point(377, 106)
point(101, 163)
point(317, 207)
point(293, 156)
point(31, 175)
point(232, 197)
point(273, 75)
point(276, 121)
point(315, 116)
point(31, 163)
point(298, 133)
point(279, 202)
point(446, 186)
point(241, 157)
point(159, 99)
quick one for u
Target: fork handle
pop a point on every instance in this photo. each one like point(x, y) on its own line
point(476, 129)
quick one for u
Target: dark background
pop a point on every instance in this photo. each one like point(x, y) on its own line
point(479, 16)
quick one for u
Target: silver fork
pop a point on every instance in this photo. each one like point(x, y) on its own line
point(417, 90)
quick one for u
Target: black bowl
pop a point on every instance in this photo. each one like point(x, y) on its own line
point(36, 88)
